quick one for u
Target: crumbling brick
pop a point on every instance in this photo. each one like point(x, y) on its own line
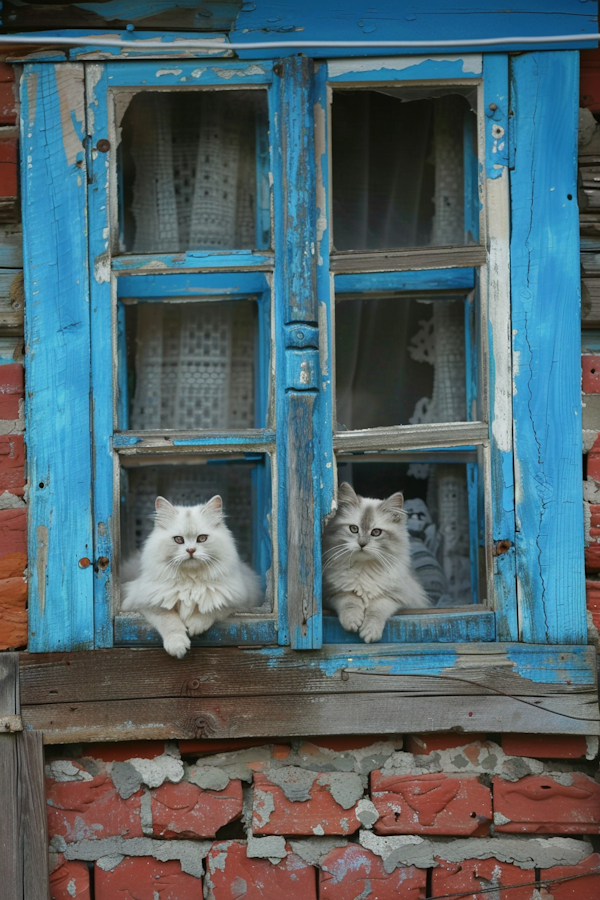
point(70, 880)
point(184, 810)
point(11, 388)
point(80, 810)
point(145, 878)
point(582, 882)
point(348, 873)
point(431, 804)
point(233, 875)
point(274, 813)
point(474, 875)
point(590, 372)
point(545, 746)
point(422, 744)
point(543, 804)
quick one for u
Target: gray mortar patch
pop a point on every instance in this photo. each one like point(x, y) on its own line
point(126, 779)
point(314, 850)
point(271, 847)
point(366, 813)
point(295, 783)
point(362, 761)
point(346, 788)
point(155, 772)
point(64, 770)
point(524, 852)
point(263, 813)
point(209, 778)
point(491, 760)
point(189, 853)
point(236, 764)
point(146, 812)
point(108, 863)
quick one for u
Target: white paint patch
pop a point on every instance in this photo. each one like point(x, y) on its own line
point(162, 72)
point(471, 64)
point(102, 269)
point(198, 72)
point(499, 308)
point(239, 73)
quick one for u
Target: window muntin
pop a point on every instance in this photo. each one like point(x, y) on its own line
point(193, 172)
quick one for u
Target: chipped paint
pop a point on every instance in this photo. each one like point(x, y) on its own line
point(31, 84)
point(161, 72)
point(72, 110)
point(41, 564)
point(248, 71)
point(471, 64)
point(497, 203)
point(102, 270)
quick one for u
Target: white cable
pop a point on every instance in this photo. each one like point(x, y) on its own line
point(200, 44)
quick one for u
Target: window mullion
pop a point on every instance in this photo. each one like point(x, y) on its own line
point(298, 406)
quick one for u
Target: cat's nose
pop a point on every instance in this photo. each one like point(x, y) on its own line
point(362, 544)
point(190, 550)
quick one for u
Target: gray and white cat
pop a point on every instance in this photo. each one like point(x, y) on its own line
point(189, 574)
point(367, 575)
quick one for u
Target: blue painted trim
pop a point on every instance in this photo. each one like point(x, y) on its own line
point(495, 94)
point(422, 280)
point(546, 346)
point(263, 186)
point(263, 438)
point(122, 385)
point(450, 627)
point(103, 369)
point(57, 361)
point(471, 178)
point(130, 631)
point(191, 284)
point(393, 67)
point(192, 259)
point(164, 73)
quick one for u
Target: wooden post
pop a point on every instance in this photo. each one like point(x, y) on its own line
point(23, 826)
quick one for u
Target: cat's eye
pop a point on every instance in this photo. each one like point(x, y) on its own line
point(354, 529)
point(201, 538)
point(178, 539)
point(376, 532)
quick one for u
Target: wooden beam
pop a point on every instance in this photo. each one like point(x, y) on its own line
point(233, 692)
point(11, 872)
point(402, 260)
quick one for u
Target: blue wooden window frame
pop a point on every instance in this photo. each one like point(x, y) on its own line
point(529, 272)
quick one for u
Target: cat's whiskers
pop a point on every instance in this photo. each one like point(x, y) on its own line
point(340, 552)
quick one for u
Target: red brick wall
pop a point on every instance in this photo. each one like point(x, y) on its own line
point(341, 820)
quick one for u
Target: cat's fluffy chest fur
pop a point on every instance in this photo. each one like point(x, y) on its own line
point(188, 574)
point(367, 574)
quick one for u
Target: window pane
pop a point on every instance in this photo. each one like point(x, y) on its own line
point(399, 361)
point(443, 498)
point(243, 485)
point(194, 171)
point(400, 169)
point(189, 365)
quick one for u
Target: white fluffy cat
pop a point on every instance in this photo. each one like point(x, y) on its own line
point(189, 574)
point(367, 575)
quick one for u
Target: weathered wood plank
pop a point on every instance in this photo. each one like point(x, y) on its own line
point(11, 300)
point(547, 388)
point(33, 823)
point(11, 873)
point(58, 357)
point(413, 437)
point(296, 715)
point(11, 246)
point(145, 674)
point(402, 260)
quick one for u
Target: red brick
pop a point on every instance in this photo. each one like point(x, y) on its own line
point(351, 872)
point(13, 532)
point(235, 877)
point(589, 83)
point(592, 558)
point(539, 804)
point(124, 750)
point(12, 464)
point(7, 72)
point(11, 388)
point(273, 813)
point(474, 875)
point(224, 746)
point(579, 886)
point(422, 744)
point(13, 613)
point(70, 881)
point(186, 811)
point(592, 594)
point(590, 374)
point(8, 167)
point(79, 810)
point(545, 746)
point(8, 104)
point(431, 804)
point(145, 878)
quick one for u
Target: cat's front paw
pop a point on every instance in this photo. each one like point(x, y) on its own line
point(352, 618)
point(371, 630)
point(177, 644)
point(199, 623)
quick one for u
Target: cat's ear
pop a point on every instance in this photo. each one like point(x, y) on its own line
point(346, 494)
point(395, 506)
point(164, 511)
point(215, 505)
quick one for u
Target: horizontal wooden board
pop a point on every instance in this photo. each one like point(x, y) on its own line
point(120, 694)
point(412, 437)
point(402, 260)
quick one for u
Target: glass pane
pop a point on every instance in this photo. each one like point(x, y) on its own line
point(194, 171)
point(399, 169)
point(399, 361)
point(190, 365)
point(242, 484)
point(443, 499)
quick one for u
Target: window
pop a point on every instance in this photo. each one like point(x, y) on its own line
point(298, 273)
